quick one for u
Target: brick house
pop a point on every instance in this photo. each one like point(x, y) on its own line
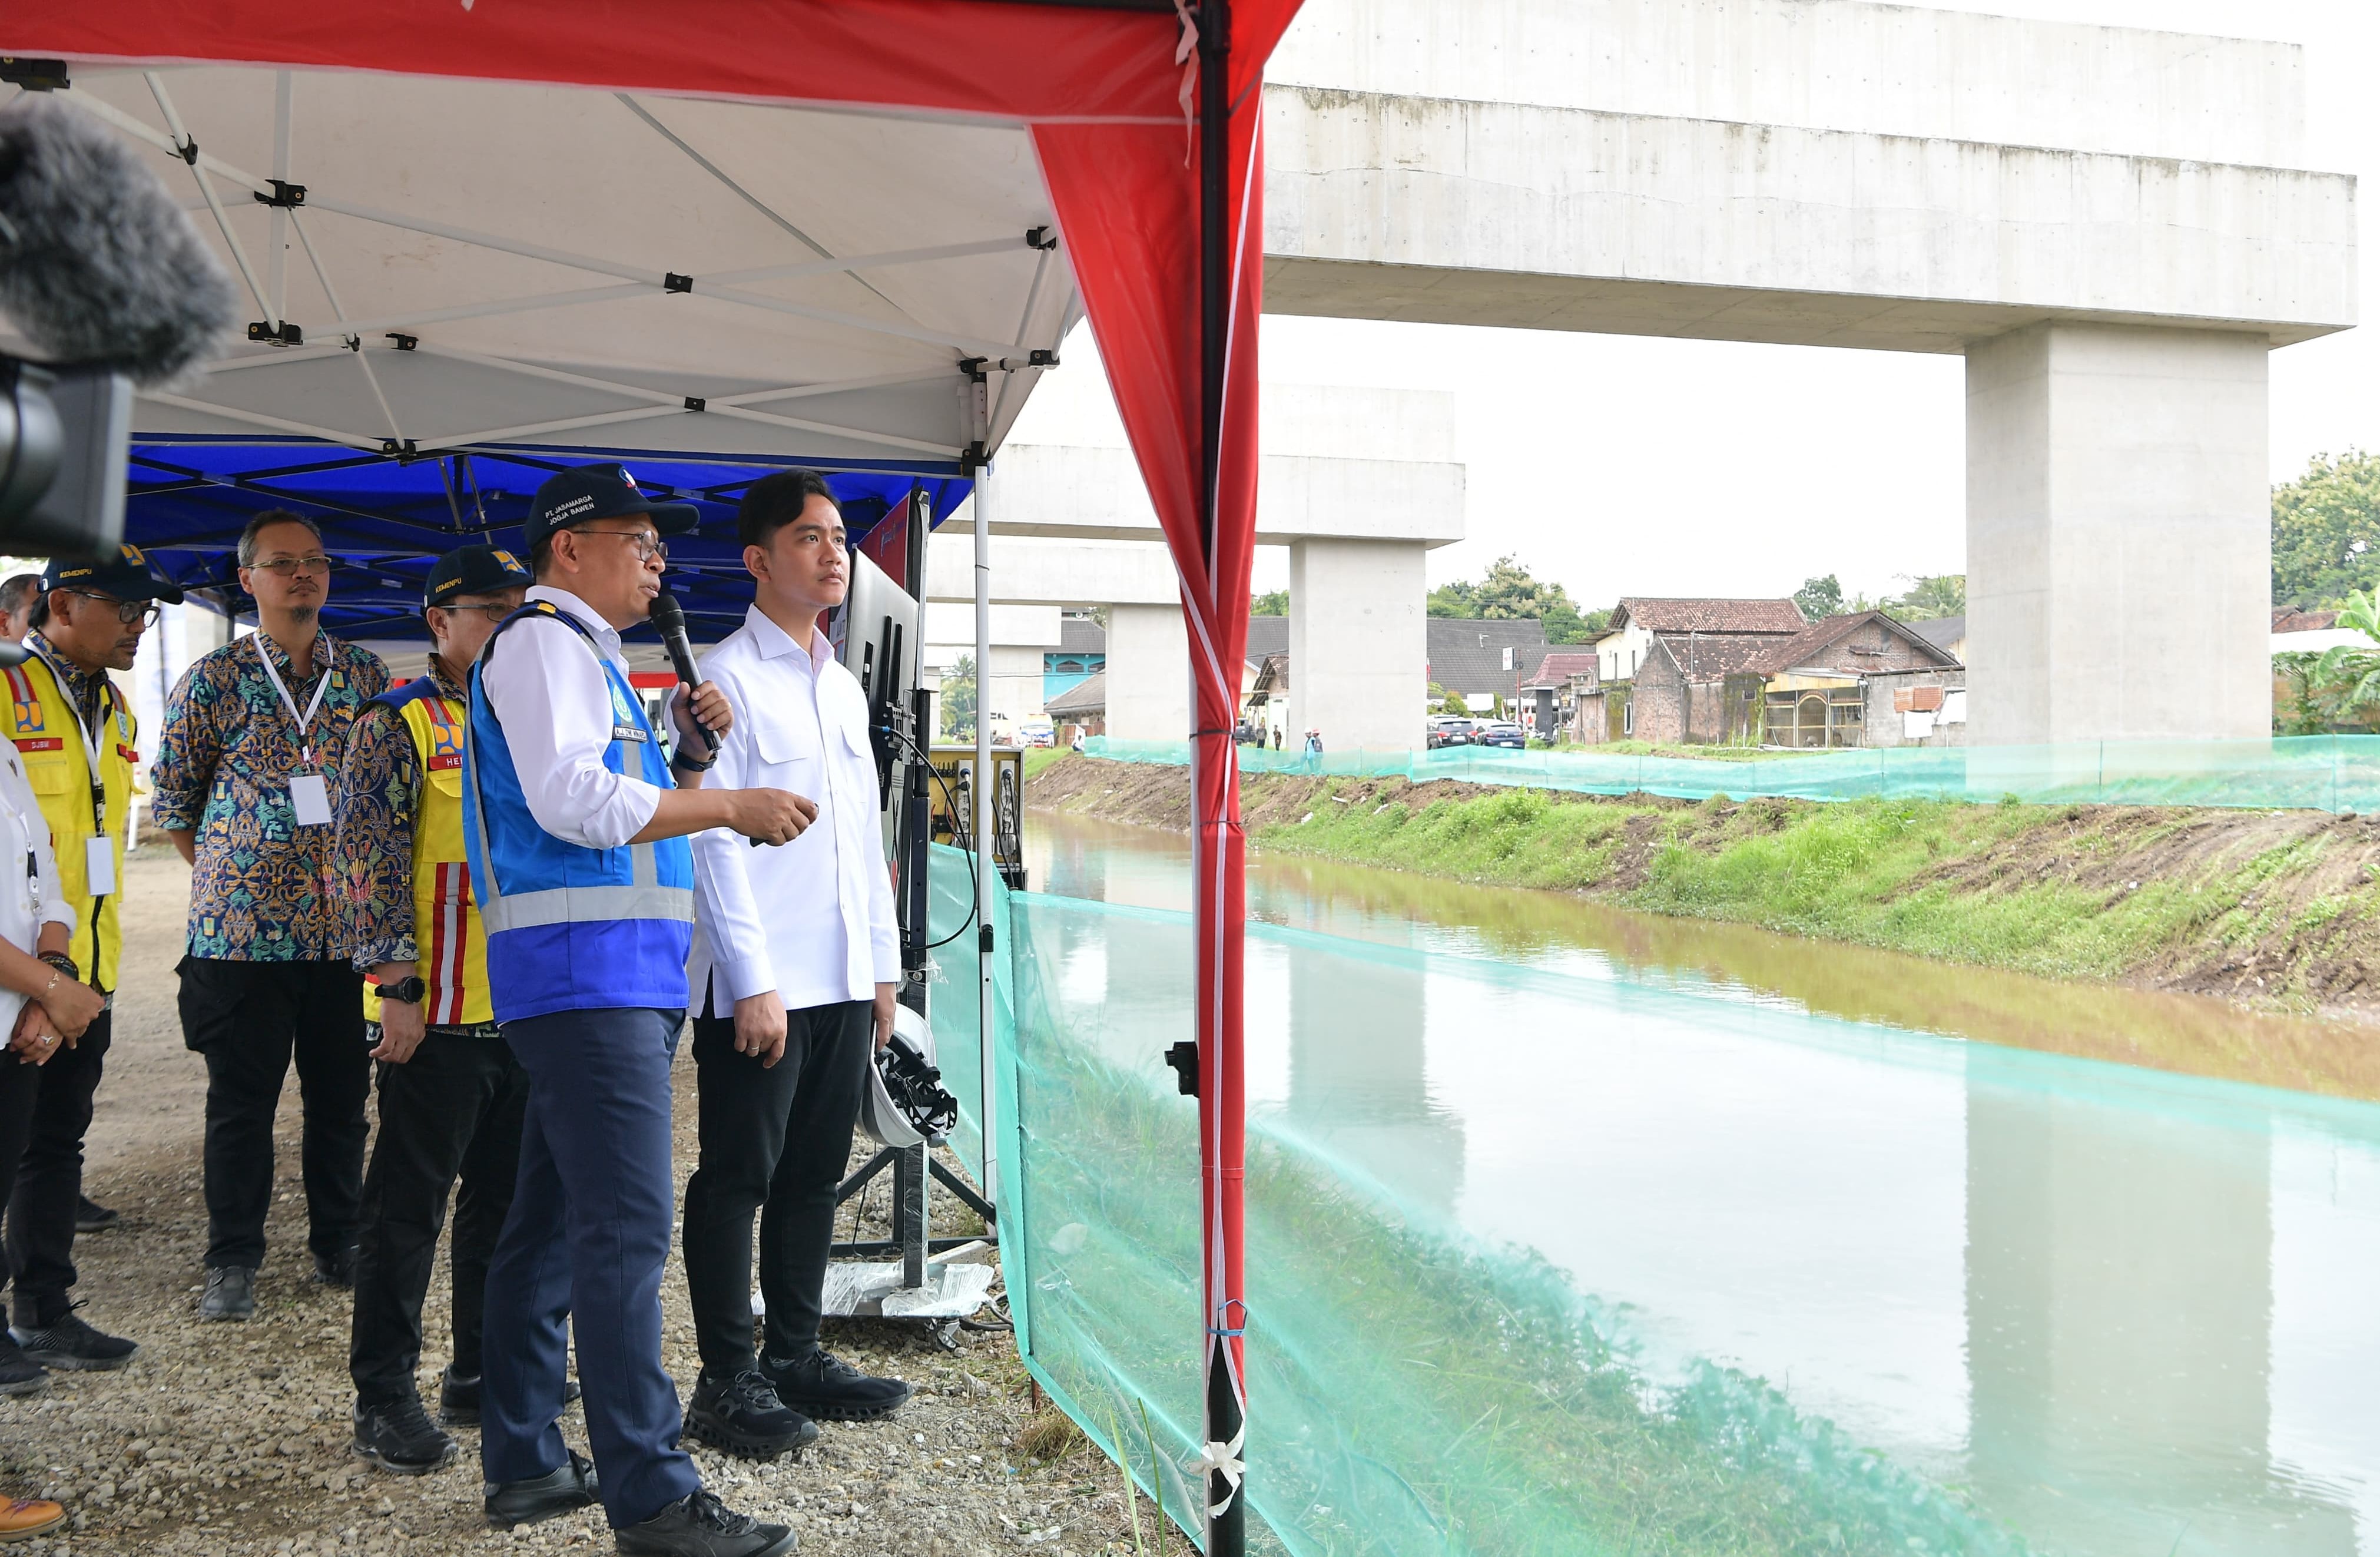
point(1851, 680)
point(1848, 680)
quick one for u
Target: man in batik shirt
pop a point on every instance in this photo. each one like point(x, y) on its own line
point(254, 739)
point(452, 1097)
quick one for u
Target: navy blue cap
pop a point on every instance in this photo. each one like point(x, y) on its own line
point(599, 492)
point(127, 576)
point(474, 570)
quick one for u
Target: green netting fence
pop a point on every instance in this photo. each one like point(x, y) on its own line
point(1410, 1392)
point(2296, 772)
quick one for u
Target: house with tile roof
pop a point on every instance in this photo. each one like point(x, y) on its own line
point(1629, 638)
point(1810, 688)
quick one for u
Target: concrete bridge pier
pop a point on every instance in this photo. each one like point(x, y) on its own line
point(2118, 543)
point(1358, 647)
point(1148, 673)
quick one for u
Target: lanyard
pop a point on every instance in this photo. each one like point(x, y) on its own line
point(89, 743)
point(305, 747)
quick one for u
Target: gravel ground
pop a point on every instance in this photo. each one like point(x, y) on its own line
point(235, 1437)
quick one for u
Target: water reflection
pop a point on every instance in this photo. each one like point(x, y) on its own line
point(2130, 1313)
point(1076, 858)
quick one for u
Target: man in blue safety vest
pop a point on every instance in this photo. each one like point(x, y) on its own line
point(585, 881)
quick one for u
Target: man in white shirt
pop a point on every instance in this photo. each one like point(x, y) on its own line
point(583, 879)
point(796, 960)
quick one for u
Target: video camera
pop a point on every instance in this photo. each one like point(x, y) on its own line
point(107, 285)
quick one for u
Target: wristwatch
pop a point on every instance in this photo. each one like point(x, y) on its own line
point(406, 991)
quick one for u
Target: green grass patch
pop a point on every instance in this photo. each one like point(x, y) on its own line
point(1038, 758)
point(1867, 871)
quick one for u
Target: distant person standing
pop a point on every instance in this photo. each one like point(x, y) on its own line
point(254, 735)
point(78, 739)
point(17, 598)
point(795, 975)
point(452, 1096)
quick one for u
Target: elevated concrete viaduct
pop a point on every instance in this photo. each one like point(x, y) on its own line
point(2112, 226)
point(1357, 484)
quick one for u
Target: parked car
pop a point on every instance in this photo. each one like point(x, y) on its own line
point(1451, 730)
point(1503, 733)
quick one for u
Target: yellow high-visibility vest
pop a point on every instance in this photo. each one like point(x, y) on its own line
point(450, 944)
point(42, 725)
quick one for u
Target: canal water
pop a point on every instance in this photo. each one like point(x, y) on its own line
point(2103, 1265)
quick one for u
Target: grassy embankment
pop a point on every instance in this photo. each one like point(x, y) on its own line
point(2278, 906)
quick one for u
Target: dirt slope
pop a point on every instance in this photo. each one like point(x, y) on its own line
point(2290, 912)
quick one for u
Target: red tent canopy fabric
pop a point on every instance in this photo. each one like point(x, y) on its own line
point(1107, 96)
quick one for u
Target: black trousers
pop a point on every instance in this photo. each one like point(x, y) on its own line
point(249, 1019)
point(20, 1092)
point(454, 1109)
point(774, 1140)
point(49, 1179)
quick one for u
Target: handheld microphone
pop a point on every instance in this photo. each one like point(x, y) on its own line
point(669, 619)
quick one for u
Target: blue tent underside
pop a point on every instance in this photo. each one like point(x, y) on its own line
point(386, 519)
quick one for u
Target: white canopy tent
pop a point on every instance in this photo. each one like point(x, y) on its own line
point(462, 265)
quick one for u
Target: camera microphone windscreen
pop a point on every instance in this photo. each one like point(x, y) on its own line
point(99, 267)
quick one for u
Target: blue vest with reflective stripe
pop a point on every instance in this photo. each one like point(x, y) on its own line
point(572, 928)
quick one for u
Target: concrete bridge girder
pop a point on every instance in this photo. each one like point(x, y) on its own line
point(1362, 481)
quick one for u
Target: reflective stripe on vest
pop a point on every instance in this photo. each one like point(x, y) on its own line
point(580, 928)
point(449, 940)
point(42, 722)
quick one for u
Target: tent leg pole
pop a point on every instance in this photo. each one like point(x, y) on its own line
point(986, 866)
point(1226, 1493)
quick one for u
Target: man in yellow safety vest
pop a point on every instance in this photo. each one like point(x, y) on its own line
point(77, 738)
point(451, 1092)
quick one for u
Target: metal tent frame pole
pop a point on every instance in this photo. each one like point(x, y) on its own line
point(986, 821)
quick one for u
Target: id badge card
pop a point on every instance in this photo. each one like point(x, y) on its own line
point(99, 865)
point(310, 796)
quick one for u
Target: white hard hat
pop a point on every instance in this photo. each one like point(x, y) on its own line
point(907, 1104)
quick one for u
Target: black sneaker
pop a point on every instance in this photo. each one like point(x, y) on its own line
point(337, 1269)
point(66, 1342)
point(742, 1414)
point(93, 1217)
point(698, 1525)
point(458, 1398)
point(572, 1485)
point(18, 1373)
point(400, 1438)
point(230, 1295)
point(824, 1386)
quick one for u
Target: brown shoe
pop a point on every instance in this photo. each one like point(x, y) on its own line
point(27, 1517)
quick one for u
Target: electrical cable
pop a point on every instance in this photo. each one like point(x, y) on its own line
point(974, 879)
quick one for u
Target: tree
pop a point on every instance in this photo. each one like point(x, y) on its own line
point(2327, 531)
point(1272, 602)
point(1820, 598)
point(958, 700)
point(2338, 690)
point(1511, 593)
point(1930, 596)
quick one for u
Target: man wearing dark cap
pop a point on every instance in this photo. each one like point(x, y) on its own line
point(78, 739)
point(451, 1093)
point(581, 868)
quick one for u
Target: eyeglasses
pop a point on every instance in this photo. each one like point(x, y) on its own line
point(289, 567)
point(648, 544)
point(127, 611)
point(495, 612)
